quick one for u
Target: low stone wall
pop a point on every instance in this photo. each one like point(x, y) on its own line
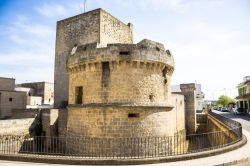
point(15, 126)
point(24, 113)
point(201, 120)
point(144, 147)
point(227, 135)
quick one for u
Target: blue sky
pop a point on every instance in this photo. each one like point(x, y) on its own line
point(209, 39)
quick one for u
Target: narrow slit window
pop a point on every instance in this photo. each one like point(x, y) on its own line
point(164, 72)
point(78, 95)
point(124, 53)
point(133, 115)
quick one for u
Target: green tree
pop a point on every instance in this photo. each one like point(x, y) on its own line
point(225, 100)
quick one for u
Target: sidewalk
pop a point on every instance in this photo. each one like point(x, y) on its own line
point(237, 154)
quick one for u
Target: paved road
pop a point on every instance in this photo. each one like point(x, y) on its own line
point(243, 119)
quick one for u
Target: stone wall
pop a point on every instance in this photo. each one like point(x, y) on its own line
point(113, 30)
point(219, 134)
point(201, 119)
point(7, 84)
point(121, 122)
point(97, 126)
point(178, 112)
point(15, 126)
point(11, 100)
point(83, 29)
point(24, 113)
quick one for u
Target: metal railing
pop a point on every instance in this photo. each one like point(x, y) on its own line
point(122, 148)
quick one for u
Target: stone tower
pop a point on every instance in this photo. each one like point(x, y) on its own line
point(96, 26)
point(116, 89)
point(188, 91)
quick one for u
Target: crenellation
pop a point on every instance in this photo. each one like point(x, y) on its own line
point(108, 54)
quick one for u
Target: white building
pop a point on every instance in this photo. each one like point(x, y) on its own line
point(199, 95)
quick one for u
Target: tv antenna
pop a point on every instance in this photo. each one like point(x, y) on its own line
point(85, 5)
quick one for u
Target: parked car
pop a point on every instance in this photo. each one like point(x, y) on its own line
point(219, 108)
point(240, 111)
point(215, 108)
point(224, 109)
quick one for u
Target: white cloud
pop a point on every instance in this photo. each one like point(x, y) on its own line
point(17, 39)
point(215, 67)
point(30, 53)
point(211, 33)
point(176, 5)
point(34, 29)
point(30, 74)
point(51, 10)
point(26, 57)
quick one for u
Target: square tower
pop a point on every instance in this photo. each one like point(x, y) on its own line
point(96, 26)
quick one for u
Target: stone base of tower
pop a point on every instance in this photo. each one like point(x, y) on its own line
point(123, 130)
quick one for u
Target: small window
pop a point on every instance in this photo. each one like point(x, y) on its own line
point(151, 97)
point(78, 95)
point(124, 53)
point(165, 81)
point(168, 52)
point(133, 115)
point(10, 99)
point(164, 72)
point(157, 48)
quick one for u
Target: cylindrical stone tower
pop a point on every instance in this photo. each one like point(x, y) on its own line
point(120, 91)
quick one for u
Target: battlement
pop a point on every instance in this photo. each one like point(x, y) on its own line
point(145, 53)
point(94, 26)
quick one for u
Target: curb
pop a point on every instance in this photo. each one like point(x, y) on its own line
point(236, 162)
point(99, 161)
